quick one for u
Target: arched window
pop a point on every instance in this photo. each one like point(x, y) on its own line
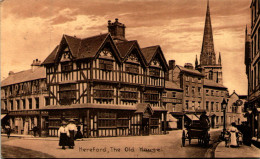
point(210, 75)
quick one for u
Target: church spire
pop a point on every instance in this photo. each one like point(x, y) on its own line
point(196, 62)
point(219, 59)
point(208, 56)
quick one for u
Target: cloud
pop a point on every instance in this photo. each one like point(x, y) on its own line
point(36, 27)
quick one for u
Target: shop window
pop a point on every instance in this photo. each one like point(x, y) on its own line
point(154, 72)
point(30, 103)
point(18, 104)
point(12, 104)
point(24, 103)
point(67, 93)
point(154, 122)
point(37, 103)
point(5, 105)
point(132, 68)
point(106, 65)
point(123, 123)
point(106, 120)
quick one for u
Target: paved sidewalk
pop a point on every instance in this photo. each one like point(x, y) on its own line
point(240, 152)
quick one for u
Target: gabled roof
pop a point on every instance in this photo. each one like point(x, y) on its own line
point(151, 51)
point(124, 47)
point(90, 46)
point(51, 58)
point(171, 85)
point(24, 76)
point(80, 48)
point(190, 71)
point(211, 83)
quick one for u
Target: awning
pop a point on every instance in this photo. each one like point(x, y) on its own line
point(2, 116)
point(192, 117)
point(171, 118)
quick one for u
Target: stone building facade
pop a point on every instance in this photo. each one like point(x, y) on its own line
point(252, 62)
point(23, 94)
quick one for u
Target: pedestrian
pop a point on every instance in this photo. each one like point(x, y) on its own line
point(233, 135)
point(204, 120)
point(35, 130)
point(247, 135)
point(78, 134)
point(63, 134)
point(226, 138)
point(8, 130)
point(72, 131)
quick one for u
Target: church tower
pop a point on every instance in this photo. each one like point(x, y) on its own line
point(213, 70)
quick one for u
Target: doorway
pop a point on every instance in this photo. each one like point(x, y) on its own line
point(213, 121)
point(145, 126)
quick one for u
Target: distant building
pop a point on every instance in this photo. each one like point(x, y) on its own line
point(172, 100)
point(235, 110)
point(23, 94)
point(252, 62)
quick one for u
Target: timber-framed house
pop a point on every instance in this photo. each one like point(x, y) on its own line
point(109, 85)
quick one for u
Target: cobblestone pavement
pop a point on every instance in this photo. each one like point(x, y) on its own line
point(131, 147)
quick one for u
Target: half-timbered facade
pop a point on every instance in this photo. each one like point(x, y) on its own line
point(109, 85)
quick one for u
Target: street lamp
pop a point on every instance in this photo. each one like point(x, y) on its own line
point(224, 106)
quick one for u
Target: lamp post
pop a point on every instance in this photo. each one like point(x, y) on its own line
point(224, 106)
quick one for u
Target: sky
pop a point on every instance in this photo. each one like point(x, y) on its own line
point(31, 29)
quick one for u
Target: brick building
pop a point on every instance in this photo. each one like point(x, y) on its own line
point(23, 94)
point(252, 62)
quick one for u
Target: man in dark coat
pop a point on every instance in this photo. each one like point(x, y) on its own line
point(204, 120)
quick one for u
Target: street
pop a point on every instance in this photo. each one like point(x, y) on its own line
point(135, 146)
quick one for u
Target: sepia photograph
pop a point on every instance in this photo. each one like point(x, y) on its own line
point(130, 78)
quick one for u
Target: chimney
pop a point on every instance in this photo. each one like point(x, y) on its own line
point(117, 30)
point(171, 64)
point(10, 73)
point(36, 63)
point(188, 65)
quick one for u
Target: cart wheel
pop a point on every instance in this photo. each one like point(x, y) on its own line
point(183, 138)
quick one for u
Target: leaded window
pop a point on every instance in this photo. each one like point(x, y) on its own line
point(106, 65)
point(154, 72)
point(67, 93)
point(132, 68)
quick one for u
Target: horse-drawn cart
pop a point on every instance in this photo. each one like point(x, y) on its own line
point(194, 130)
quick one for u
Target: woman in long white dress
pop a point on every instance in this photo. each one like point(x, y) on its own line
point(233, 135)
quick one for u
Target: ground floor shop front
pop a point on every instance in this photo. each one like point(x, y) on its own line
point(107, 120)
point(28, 122)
